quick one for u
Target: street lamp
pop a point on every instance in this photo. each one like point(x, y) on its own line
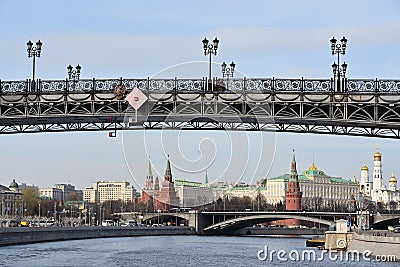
point(210, 49)
point(227, 72)
point(34, 51)
point(74, 74)
point(338, 48)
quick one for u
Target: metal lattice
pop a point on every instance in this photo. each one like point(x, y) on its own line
point(362, 108)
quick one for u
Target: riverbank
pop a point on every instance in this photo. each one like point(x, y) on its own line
point(378, 245)
point(18, 236)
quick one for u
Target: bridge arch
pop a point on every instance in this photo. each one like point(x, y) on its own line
point(162, 216)
point(382, 222)
point(246, 221)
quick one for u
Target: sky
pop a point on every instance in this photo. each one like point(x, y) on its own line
point(139, 39)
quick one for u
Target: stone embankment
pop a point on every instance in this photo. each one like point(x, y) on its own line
point(19, 235)
point(377, 244)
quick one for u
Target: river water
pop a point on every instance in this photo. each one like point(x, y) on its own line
point(169, 251)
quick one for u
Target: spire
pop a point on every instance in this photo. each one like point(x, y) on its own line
point(168, 174)
point(293, 171)
point(206, 178)
point(293, 158)
point(293, 162)
point(149, 172)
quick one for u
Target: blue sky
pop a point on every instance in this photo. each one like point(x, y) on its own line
point(139, 39)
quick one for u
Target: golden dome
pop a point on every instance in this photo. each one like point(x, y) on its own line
point(313, 167)
point(364, 168)
point(377, 154)
point(393, 179)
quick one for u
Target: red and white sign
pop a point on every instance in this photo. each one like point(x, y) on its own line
point(136, 98)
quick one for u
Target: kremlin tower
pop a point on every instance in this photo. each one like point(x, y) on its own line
point(167, 197)
point(293, 193)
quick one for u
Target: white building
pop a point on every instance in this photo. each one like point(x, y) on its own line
point(379, 192)
point(60, 192)
point(106, 191)
point(365, 184)
point(193, 194)
point(51, 193)
point(318, 189)
point(241, 190)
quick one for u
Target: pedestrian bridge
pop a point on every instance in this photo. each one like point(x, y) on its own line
point(361, 107)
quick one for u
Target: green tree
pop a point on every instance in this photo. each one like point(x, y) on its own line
point(73, 196)
point(30, 197)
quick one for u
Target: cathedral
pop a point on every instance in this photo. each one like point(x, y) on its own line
point(377, 190)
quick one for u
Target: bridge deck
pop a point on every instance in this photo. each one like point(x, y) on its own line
point(363, 107)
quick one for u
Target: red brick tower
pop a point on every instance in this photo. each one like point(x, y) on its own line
point(293, 193)
point(167, 198)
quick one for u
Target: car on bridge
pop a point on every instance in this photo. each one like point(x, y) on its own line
point(392, 228)
point(107, 223)
point(129, 223)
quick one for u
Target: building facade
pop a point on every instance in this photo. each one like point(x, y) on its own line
point(193, 194)
point(377, 190)
point(11, 201)
point(319, 191)
point(51, 193)
point(103, 191)
point(60, 192)
point(68, 189)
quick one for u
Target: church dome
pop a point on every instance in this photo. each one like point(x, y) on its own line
point(364, 168)
point(377, 154)
point(393, 179)
point(13, 185)
point(313, 167)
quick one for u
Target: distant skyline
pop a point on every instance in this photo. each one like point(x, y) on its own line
point(133, 39)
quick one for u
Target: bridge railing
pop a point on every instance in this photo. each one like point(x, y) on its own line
point(256, 85)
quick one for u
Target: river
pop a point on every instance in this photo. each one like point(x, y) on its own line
point(167, 251)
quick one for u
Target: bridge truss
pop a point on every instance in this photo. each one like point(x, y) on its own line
point(360, 108)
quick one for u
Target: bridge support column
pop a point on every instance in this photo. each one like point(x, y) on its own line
point(197, 221)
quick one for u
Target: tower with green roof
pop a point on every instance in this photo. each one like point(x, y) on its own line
point(293, 193)
point(168, 174)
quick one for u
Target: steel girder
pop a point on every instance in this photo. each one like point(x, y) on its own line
point(363, 108)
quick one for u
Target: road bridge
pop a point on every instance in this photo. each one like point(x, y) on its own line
point(382, 221)
point(228, 222)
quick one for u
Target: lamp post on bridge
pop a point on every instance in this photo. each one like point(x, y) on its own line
point(338, 48)
point(210, 49)
point(74, 74)
point(33, 52)
point(228, 72)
